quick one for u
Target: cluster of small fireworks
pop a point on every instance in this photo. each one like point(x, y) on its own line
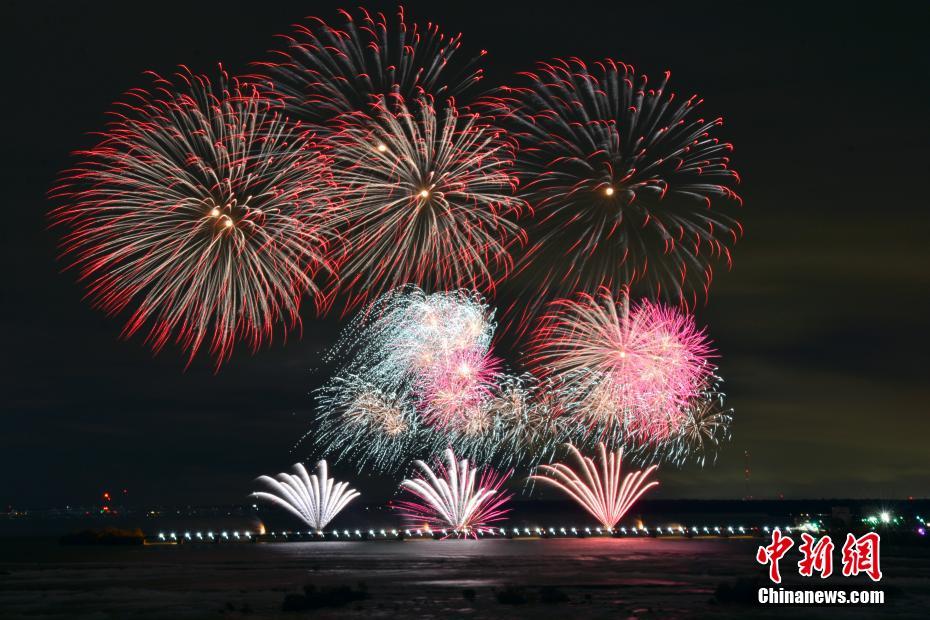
point(453, 497)
point(207, 216)
point(421, 375)
point(601, 491)
point(315, 499)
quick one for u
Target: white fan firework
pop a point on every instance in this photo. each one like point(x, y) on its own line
point(314, 499)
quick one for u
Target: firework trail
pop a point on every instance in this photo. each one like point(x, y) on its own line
point(315, 499)
point(626, 376)
point(453, 497)
point(601, 491)
point(201, 212)
point(324, 71)
point(427, 199)
point(627, 183)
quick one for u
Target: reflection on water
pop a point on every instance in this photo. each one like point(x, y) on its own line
point(598, 576)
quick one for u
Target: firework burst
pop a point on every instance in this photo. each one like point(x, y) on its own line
point(454, 497)
point(626, 375)
point(704, 426)
point(324, 71)
point(420, 376)
point(628, 184)
point(359, 421)
point(601, 491)
point(200, 212)
point(407, 333)
point(427, 199)
point(315, 499)
point(455, 391)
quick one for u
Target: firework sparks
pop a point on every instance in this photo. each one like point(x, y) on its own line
point(199, 210)
point(455, 390)
point(428, 199)
point(626, 181)
point(601, 491)
point(315, 499)
point(324, 70)
point(407, 332)
point(454, 497)
point(358, 420)
point(626, 374)
point(704, 426)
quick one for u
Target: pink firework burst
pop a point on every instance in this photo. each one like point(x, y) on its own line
point(453, 496)
point(457, 387)
point(624, 373)
point(200, 212)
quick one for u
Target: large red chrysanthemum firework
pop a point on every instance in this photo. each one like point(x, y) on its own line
point(200, 212)
point(628, 185)
point(427, 199)
point(324, 70)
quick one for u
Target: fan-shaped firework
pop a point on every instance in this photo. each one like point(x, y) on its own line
point(626, 376)
point(453, 497)
point(199, 210)
point(601, 491)
point(323, 70)
point(427, 199)
point(626, 181)
point(315, 499)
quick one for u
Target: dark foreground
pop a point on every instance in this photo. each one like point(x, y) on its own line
point(574, 578)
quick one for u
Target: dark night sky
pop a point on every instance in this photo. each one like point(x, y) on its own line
point(821, 323)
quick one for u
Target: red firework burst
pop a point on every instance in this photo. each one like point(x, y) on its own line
point(627, 183)
point(200, 211)
point(324, 71)
point(427, 199)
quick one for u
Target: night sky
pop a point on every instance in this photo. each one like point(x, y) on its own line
point(821, 323)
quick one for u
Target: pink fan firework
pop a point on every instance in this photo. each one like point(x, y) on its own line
point(602, 491)
point(624, 373)
point(200, 211)
point(427, 199)
point(454, 497)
